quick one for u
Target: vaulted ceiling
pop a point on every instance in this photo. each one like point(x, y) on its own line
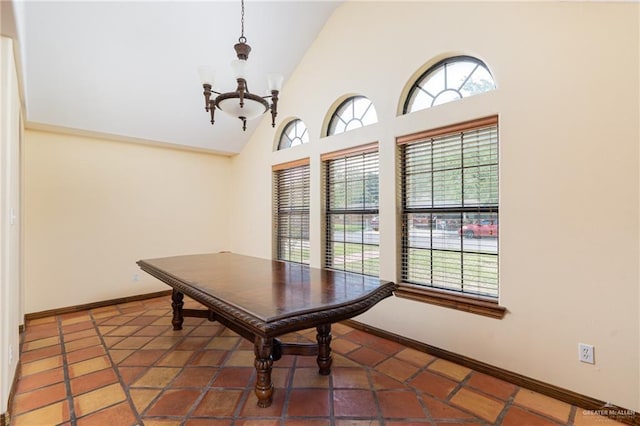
point(129, 69)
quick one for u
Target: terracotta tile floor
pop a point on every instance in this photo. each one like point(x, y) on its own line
point(124, 365)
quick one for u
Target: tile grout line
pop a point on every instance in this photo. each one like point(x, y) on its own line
point(11, 410)
point(376, 400)
point(572, 415)
point(460, 386)
point(332, 410)
point(115, 368)
point(127, 388)
point(246, 396)
point(287, 390)
point(141, 415)
point(420, 395)
point(511, 403)
point(545, 416)
point(206, 388)
point(405, 382)
point(507, 406)
point(65, 372)
point(423, 404)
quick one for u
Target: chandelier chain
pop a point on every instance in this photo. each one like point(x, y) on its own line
point(242, 38)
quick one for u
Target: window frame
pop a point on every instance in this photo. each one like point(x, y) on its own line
point(337, 115)
point(423, 78)
point(467, 302)
point(326, 159)
point(299, 210)
point(285, 138)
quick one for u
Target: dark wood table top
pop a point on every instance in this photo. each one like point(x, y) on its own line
point(269, 293)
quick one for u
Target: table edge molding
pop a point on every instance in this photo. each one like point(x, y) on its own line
point(282, 325)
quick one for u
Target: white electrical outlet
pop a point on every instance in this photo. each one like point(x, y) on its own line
point(10, 354)
point(136, 278)
point(585, 353)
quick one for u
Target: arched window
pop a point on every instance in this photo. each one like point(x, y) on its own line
point(354, 112)
point(449, 80)
point(295, 133)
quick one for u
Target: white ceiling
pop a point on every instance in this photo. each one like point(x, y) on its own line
point(129, 68)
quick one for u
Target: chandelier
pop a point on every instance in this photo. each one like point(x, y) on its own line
point(241, 104)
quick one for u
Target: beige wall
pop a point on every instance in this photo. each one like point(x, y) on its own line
point(567, 97)
point(10, 290)
point(94, 207)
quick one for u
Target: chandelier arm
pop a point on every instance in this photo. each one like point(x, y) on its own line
point(274, 106)
point(242, 84)
point(207, 96)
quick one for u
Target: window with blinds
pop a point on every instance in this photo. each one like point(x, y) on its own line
point(352, 239)
point(291, 204)
point(449, 180)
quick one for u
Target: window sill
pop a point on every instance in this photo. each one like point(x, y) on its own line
point(451, 300)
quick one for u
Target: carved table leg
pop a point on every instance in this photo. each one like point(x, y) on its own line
point(177, 304)
point(264, 361)
point(324, 349)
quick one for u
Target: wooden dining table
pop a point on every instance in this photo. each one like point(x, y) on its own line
point(261, 299)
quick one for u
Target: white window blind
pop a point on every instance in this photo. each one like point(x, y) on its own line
point(450, 210)
point(352, 239)
point(291, 201)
